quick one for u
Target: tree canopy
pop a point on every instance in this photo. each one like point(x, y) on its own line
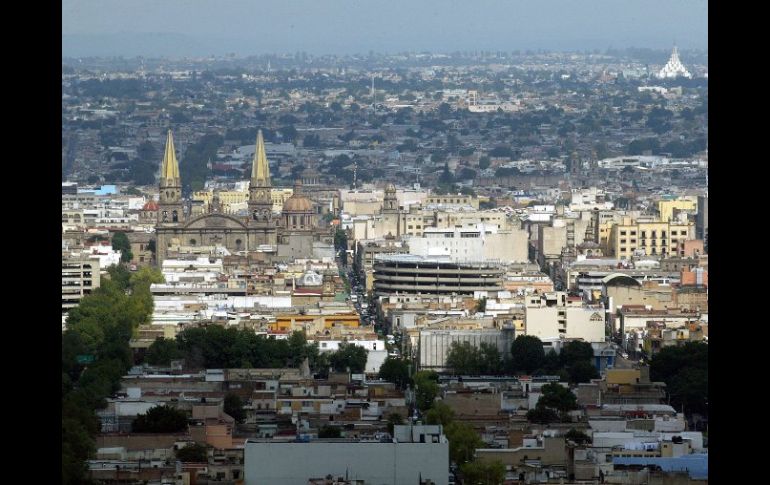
point(120, 243)
point(685, 371)
point(349, 356)
point(233, 406)
point(439, 413)
point(483, 472)
point(465, 359)
point(160, 419)
point(527, 354)
point(195, 453)
point(396, 371)
point(426, 389)
point(162, 352)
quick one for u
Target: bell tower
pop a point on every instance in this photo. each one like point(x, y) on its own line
point(170, 210)
point(260, 200)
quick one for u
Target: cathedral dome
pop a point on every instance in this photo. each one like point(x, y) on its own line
point(297, 202)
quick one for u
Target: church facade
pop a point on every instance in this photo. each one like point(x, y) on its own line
point(259, 231)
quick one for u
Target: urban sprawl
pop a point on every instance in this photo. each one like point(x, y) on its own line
point(486, 267)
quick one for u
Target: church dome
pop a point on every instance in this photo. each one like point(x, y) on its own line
point(151, 206)
point(297, 202)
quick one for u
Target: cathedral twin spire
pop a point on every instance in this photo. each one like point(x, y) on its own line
point(260, 170)
point(169, 169)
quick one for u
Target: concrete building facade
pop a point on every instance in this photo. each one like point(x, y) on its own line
point(79, 277)
point(411, 274)
point(416, 453)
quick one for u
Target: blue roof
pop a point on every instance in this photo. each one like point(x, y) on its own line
point(696, 465)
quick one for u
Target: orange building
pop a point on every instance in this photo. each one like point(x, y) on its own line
point(314, 323)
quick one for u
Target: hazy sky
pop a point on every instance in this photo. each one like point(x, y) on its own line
point(356, 26)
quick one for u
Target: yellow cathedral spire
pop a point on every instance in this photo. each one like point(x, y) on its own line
point(169, 170)
point(260, 170)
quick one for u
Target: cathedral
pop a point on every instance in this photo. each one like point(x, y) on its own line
point(290, 234)
point(674, 68)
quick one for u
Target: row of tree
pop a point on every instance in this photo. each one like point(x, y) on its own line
point(95, 356)
point(527, 357)
point(214, 346)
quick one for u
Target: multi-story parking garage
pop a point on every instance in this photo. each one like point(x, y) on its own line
point(411, 274)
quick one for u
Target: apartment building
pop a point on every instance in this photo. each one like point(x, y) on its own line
point(655, 238)
point(79, 277)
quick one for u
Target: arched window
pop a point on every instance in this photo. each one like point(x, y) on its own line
point(238, 244)
point(293, 220)
point(165, 216)
point(254, 215)
point(193, 242)
point(174, 216)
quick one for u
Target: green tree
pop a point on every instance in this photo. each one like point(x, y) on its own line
point(160, 419)
point(100, 326)
point(440, 413)
point(557, 397)
point(685, 371)
point(490, 359)
point(195, 453)
point(551, 363)
point(426, 389)
point(395, 371)
point(542, 415)
point(484, 162)
point(233, 406)
point(349, 356)
point(576, 351)
point(463, 441)
point(162, 352)
point(77, 447)
point(527, 354)
point(483, 473)
point(120, 275)
point(120, 243)
point(582, 371)
point(298, 348)
point(463, 359)
point(328, 431)
point(578, 437)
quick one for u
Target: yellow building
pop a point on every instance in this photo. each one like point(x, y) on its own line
point(279, 196)
point(238, 197)
point(227, 197)
point(666, 207)
point(655, 238)
point(313, 324)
